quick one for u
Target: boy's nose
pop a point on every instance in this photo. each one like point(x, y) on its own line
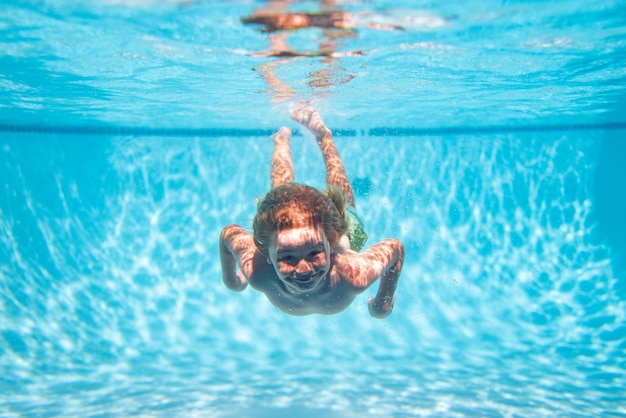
point(303, 267)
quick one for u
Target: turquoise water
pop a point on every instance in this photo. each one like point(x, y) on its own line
point(488, 137)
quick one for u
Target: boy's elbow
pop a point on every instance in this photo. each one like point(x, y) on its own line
point(228, 234)
point(396, 246)
point(227, 230)
point(400, 248)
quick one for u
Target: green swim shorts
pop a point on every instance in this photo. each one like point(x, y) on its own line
point(356, 232)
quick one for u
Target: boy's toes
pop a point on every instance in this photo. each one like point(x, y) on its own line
point(303, 115)
point(283, 134)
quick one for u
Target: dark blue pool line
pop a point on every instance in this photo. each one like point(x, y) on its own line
point(235, 132)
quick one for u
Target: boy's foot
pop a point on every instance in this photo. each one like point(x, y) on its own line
point(282, 135)
point(308, 116)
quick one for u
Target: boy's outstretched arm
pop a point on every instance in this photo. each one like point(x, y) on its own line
point(382, 260)
point(381, 305)
point(236, 247)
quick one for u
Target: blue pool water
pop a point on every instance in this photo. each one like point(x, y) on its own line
point(487, 136)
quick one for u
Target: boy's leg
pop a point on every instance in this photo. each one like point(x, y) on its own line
point(282, 167)
point(335, 171)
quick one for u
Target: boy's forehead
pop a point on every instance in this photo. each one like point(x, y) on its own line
point(312, 234)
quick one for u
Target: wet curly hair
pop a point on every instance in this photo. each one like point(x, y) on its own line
point(294, 205)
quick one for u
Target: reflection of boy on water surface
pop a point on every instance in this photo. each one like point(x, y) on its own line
point(279, 23)
point(335, 23)
point(303, 254)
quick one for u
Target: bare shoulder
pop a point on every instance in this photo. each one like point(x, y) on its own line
point(360, 270)
point(348, 268)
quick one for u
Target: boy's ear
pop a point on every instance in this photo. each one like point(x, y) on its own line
point(259, 247)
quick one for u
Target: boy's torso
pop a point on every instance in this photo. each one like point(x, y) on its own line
point(332, 296)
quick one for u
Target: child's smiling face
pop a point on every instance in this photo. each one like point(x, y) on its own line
point(301, 257)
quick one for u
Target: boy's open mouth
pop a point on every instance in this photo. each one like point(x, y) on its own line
point(307, 282)
point(304, 279)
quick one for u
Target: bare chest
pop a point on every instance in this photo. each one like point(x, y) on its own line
point(326, 300)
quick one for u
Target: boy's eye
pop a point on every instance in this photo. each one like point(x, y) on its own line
point(315, 253)
point(287, 259)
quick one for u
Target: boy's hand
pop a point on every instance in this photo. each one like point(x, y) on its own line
point(381, 308)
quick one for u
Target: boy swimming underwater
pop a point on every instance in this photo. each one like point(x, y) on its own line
point(303, 254)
